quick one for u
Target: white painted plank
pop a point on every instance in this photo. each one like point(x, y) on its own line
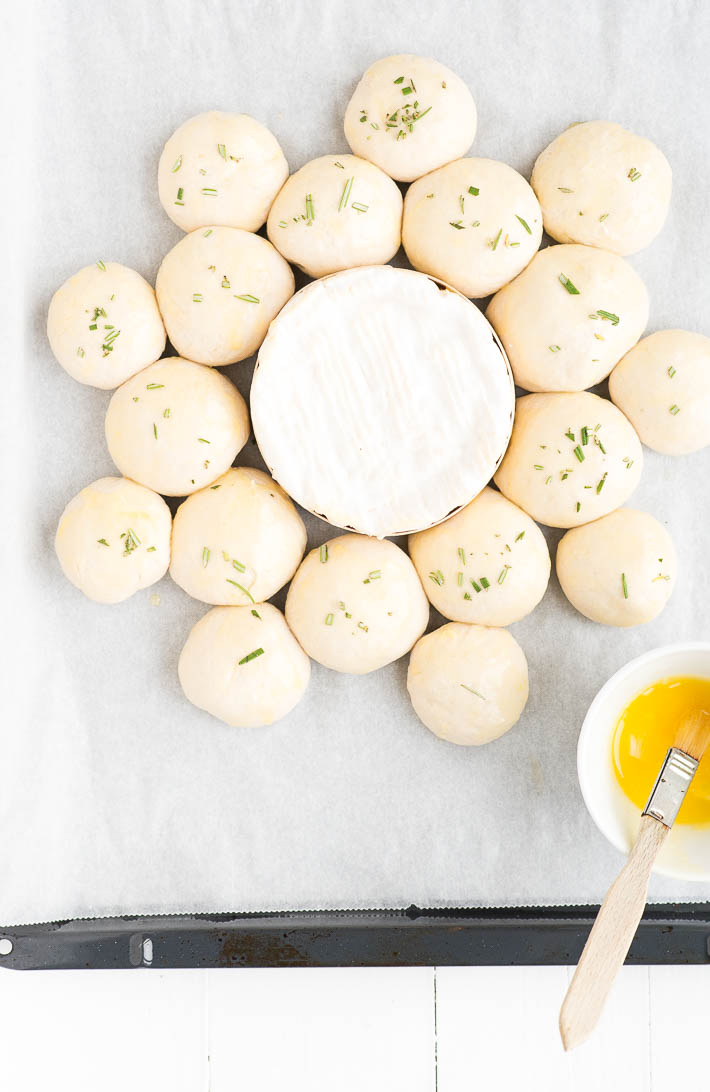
point(137, 1030)
point(498, 1025)
point(321, 1029)
point(680, 1027)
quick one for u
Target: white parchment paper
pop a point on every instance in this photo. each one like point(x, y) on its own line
point(115, 794)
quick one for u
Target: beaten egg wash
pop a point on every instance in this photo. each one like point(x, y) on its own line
point(646, 729)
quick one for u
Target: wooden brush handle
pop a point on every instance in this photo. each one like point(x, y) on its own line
point(610, 938)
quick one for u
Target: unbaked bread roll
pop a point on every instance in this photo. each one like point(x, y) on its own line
point(571, 459)
point(220, 168)
point(474, 223)
point(104, 325)
point(488, 564)
point(356, 604)
point(468, 684)
point(237, 541)
point(663, 387)
point(410, 115)
point(569, 317)
point(244, 666)
point(337, 212)
point(113, 539)
point(218, 289)
point(602, 185)
point(176, 426)
point(619, 570)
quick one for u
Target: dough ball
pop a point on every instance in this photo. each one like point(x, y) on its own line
point(619, 570)
point(468, 684)
point(220, 168)
point(356, 604)
point(237, 541)
point(571, 459)
point(410, 115)
point(113, 539)
point(601, 185)
point(244, 666)
point(218, 290)
point(104, 325)
point(176, 426)
point(474, 223)
point(488, 564)
point(569, 317)
point(663, 387)
point(337, 212)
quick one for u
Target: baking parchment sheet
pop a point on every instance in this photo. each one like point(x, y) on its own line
point(116, 795)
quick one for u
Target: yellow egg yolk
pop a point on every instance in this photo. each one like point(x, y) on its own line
point(646, 729)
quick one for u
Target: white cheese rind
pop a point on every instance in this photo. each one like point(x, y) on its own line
point(380, 401)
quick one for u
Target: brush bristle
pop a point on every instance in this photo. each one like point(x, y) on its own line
point(693, 735)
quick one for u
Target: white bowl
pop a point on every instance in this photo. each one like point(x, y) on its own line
point(686, 853)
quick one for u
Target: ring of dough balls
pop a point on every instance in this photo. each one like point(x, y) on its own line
point(237, 541)
point(410, 115)
point(474, 223)
point(336, 213)
point(468, 684)
point(356, 604)
point(571, 459)
point(487, 564)
point(244, 666)
point(176, 426)
point(113, 539)
point(601, 185)
point(218, 290)
point(663, 387)
point(619, 570)
point(104, 325)
point(569, 317)
point(220, 168)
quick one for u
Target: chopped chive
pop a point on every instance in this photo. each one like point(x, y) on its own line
point(205, 556)
point(150, 550)
point(225, 282)
point(80, 352)
point(310, 215)
point(613, 319)
point(251, 656)
point(437, 577)
point(345, 195)
point(102, 267)
point(474, 191)
point(554, 348)
point(222, 151)
point(567, 283)
point(459, 579)
point(359, 207)
point(166, 412)
point(476, 587)
point(578, 505)
point(603, 217)
point(671, 371)
point(518, 537)
point(179, 199)
point(256, 614)
point(461, 202)
point(339, 164)
point(176, 165)
point(494, 244)
point(585, 435)
point(624, 586)
point(564, 189)
point(503, 573)
point(329, 619)
point(400, 79)
point(238, 566)
point(600, 483)
point(248, 298)
point(570, 435)
point(215, 487)
point(456, 224)
point(197, 297)
point(155, 430)
point(674, 409)
point(579, 453)
point(102, 541)
point(462, 555)
point(537, 466)
point(347, 614)
point(523, 223)
point(407, 90)
point(472, 691)
point(376, 574)
point(466, 595)
point(633, 174)
point(132, 541)
point(484, 583)
point(241, 588)
point(324, 553)
point(206, 234)
point(202, 440)
point(153, 386)
point(209, 191)
point(548, 479)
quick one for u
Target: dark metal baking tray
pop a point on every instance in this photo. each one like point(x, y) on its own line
point(669, 933)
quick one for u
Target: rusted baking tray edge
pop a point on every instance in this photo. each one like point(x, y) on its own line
point(669, 933)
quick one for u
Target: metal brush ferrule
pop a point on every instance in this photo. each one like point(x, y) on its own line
point(677, 771)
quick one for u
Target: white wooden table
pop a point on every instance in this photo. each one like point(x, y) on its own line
point(453, 1029)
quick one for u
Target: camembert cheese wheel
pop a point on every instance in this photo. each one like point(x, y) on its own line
point(382, 401)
